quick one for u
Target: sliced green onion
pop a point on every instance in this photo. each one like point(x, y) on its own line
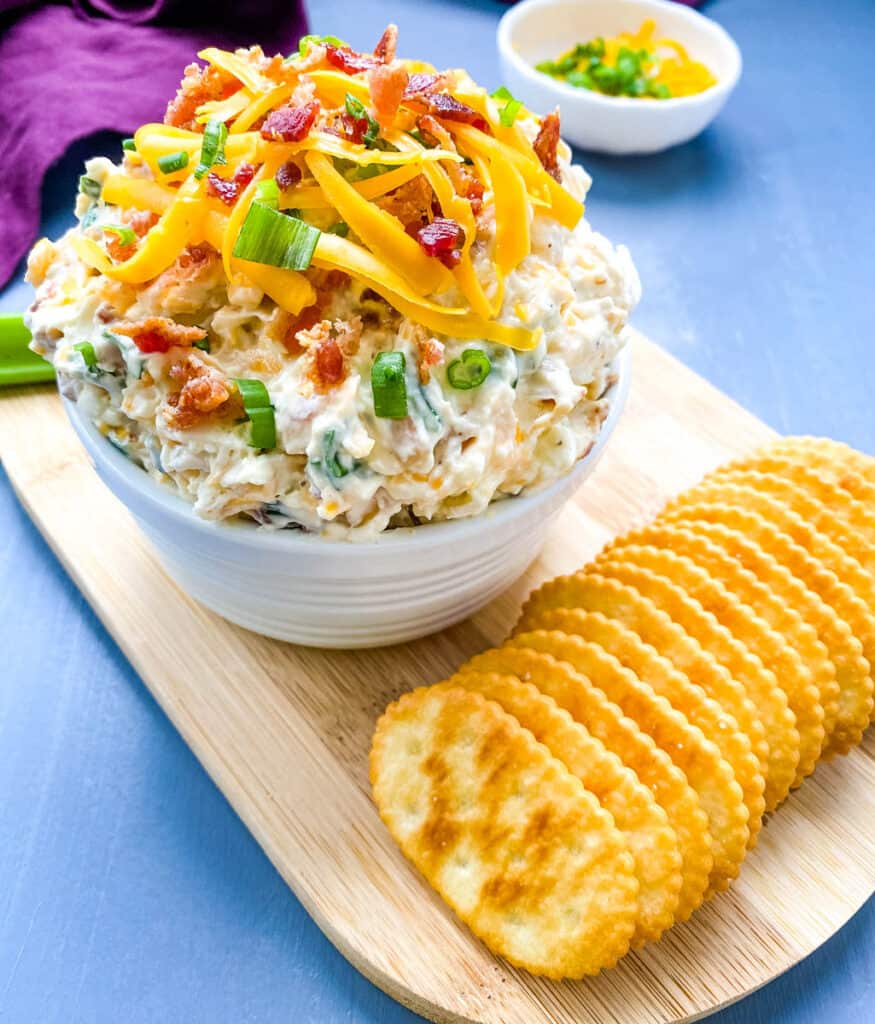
point(355, 108)
point(267, 193)
point(203, 344)
point(341, 228)
point(389, 386)
point(212, 148)
point(509, 112)
point(470, 371)
point(129, 145)
point(304, 43)
point(502, 93)
point(125, 235)
point(171, 162)
point(272, 238)
point(86, 350)
point(334, 467)
point(89, 187)
point(259, 411)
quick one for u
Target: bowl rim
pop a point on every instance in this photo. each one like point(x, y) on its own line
point(721, 88)
point(117, 467)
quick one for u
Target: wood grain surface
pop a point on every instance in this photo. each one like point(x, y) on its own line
point(284, 732)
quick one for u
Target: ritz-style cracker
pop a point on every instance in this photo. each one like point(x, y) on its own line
point(700, 760)
point(513, 842)
point(644, 824)
point(602, 718)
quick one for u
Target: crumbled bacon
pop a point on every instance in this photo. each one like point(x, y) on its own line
point(204, 390)
point(448, 108)
point(290, 124)
point(193, 257)
point(431, 353)
point(118, 250)
point(348, 60)
point(387, 83)
point(229, 189)
point(420, 82)
point(412, 203)
point(384, 51)
point(288, 175)
point(199, 85)
point(159, 334)
point(546, 143)
point(327, 369)
point(464, 182)
point(353, 129)
point(140, 221)
point(442, 239)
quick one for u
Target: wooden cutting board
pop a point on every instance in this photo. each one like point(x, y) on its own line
point(284, 732)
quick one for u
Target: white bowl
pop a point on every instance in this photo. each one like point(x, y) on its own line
point(537, 30)
point(300, 587)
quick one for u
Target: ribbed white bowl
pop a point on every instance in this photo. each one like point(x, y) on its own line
point(305, 589)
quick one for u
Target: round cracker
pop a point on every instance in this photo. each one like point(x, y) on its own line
point(588, 705)
point(700, 760)
point(829, 508)
point(649, 836)
point(690, 699)
point(513, 842)
point(687, 595)
point(855, 682)
point(835, 460)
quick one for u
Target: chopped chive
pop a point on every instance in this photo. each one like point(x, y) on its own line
point(502, 93)
point(355, 108)
point(86, 350)
point(509, 112)
point(389, 386)
point(125, 235)
point(277, 240)
point(267, 193)
point(171, 162)
point(203, 344)
point(341, 228)
point(129, 145)
point(470, 371)
point(212, 148)
point(259, 411)
point(333, 466)
point(304, 43)
point(89, 187)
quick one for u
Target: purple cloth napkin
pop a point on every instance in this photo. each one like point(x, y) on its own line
point(69, 71)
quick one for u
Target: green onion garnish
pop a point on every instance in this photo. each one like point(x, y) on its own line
point(272, 238)
point(203, 344)
point(86, 350)
point(333, 466)
point(267, 193)
point(171, 162)
point(129, 145)
point(341, 228)
point(125, 235)
point(256, 404)
point(212, 148)
point(355, 108)
point(389, 386)
point(89, 187)
point(509, 112)
point(470, 371)
point(304, 43)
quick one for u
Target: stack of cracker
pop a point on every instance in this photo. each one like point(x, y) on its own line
point(577, 791)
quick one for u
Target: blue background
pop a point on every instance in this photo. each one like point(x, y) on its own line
point(130, 891)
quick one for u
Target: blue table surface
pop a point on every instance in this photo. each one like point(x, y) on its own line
point(131, 892)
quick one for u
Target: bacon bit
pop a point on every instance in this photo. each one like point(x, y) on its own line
point(348, 334)
point(289, 124)
point(229, 189)
point(195, 256)
point(412, 203)
point(199, 85)
point(431, 353)
point(328, 369)
point(159, 334)
point(448, 108)
point(546, 143)
point(384, 51)
point(118, 251)
point(442, 239)
point(464, 182)
point(348, 60)
point(288, 176)
point(419, 83)
point(140, 221)
point(204, 391)
point(388, 83)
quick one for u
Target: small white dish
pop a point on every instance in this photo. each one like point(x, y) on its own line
point(537, 30)
point(302, 588)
